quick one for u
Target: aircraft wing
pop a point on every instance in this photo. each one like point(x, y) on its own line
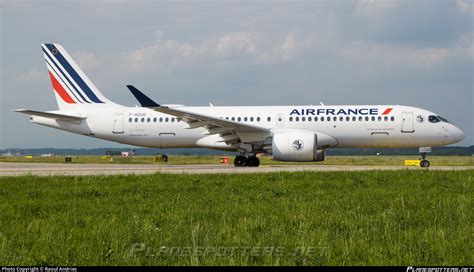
point(230, 131)
point(59, 116)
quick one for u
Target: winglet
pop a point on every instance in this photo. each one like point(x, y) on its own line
point(144, 100)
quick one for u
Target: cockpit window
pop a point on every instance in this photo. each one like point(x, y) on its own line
point(433, 119)
point(443, 119)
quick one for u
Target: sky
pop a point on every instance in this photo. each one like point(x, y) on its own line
point(405, 52)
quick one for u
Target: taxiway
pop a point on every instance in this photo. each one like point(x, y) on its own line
point(50, 169)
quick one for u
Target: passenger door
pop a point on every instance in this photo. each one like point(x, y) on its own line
point(408, 125)
point(118, 123)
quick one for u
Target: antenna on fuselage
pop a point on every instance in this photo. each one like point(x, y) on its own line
point(322, 104)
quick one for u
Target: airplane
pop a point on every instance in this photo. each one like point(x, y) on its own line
point(288, 133)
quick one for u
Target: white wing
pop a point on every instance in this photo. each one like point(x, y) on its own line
point(231, 132)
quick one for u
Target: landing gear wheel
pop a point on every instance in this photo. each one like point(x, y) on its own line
point(425, 163)
point(253, 161)
point(240, 161)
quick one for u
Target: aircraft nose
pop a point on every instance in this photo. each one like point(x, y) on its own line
point(456, 134)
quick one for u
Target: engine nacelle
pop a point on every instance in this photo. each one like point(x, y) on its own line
point(298, 146)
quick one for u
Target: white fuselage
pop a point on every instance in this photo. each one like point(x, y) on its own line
point(343, 126)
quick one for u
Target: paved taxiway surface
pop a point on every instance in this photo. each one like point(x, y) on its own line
point(48, 169)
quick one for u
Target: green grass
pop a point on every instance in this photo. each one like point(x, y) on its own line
point(330, 160)
point(308, 218)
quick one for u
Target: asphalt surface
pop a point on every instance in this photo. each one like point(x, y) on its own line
point(73, 169)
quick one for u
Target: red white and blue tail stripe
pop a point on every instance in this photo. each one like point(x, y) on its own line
point(70, 83)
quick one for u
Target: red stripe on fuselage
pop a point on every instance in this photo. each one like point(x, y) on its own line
point(387, 111)
point(60, 90)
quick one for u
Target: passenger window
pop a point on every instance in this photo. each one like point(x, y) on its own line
point(380, 118)
point(154, 120)
point(167, 119)
point(315, 118)
point(348, 118)
point(172, 119)
point(251, 119)
point(245, 119)
point(143, 120)
point(354, 118)
point(309, 119)
point(373, 118)
point(385, 118)
point(269, 118)
point(130, 120)
point(341, 118)
point(136, 120)
point(360, 118)
point(258, 119)
point(148, 119)
point(297, 118)
point(303, 119)
point(239, 119)
point(233, 118)
point(392, 118)
point(161, 119)
point(334, 118)
point(227, 118)
point(322, 119)
point(367, 118)
point(291, 119)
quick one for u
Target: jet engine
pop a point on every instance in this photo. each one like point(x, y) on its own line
point(296, 145)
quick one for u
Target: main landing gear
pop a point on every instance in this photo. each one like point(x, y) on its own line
point(251, 161)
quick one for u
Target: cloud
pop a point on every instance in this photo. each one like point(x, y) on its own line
point(375, 7)
point(285, 51)
point(234, 44)
point(251, 47)
point(465, 6)
point(374, 55)
point(34, 75)
point(87, 60)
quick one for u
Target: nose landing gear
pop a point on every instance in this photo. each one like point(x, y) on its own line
point(423, 161)
point(241, 161)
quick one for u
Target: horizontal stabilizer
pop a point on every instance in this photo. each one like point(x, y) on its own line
point(52, 115)
point(144, 100)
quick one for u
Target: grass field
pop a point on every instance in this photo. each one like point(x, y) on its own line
point(330, 160)
point(337, 218)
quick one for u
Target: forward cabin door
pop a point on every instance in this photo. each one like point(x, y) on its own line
point(118, 123)
point(408, 125)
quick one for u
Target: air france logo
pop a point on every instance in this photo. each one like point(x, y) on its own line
point(297, 145)
point(346, 111)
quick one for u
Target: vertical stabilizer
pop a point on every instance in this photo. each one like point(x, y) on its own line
point(72, 88)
